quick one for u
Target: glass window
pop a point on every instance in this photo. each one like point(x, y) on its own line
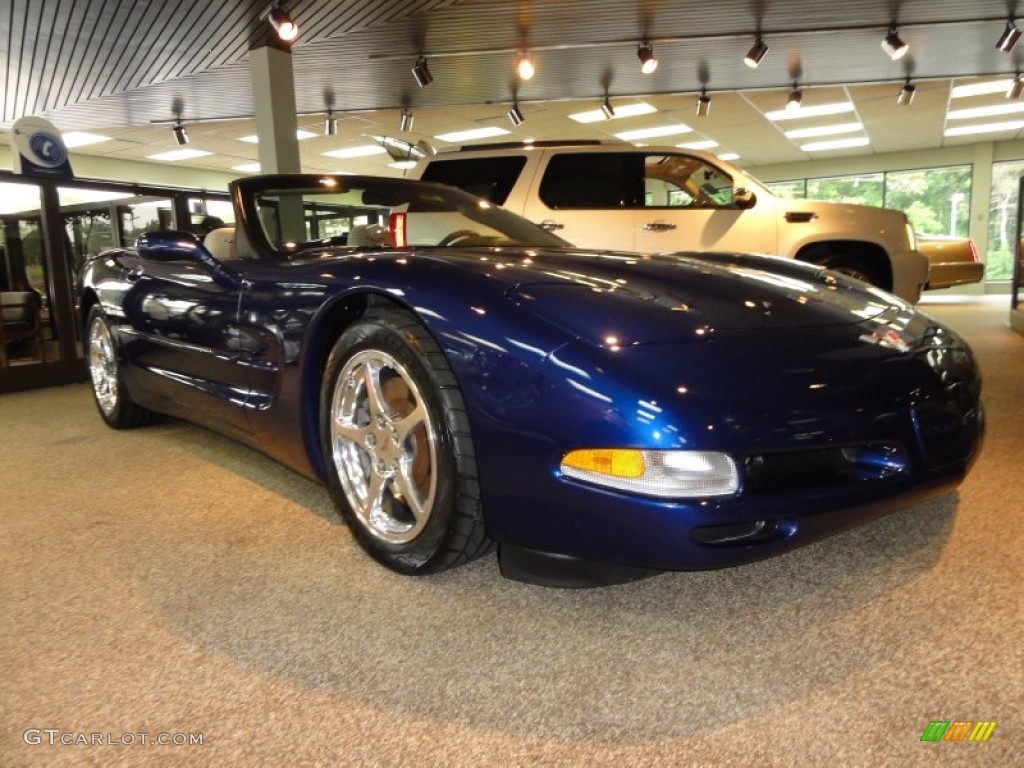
point(491, 178)
point(208, 214)
point(1002, 219)
point(936, 200)
point(26, 336)
point(593, 180)
point(684, 181)
point(866, 189)
point(789, 190)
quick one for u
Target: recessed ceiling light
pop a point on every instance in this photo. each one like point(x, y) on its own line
point(1010, 108)
point(970, 130)
point(727, 156)
point(74, 139)
point(247, 167)
point(825, 146)
point(471, 134)
point(980, 89)
point(706, 144)
point(823, 130)
point(653, 133)
point(299, 134)
point(625, 110)
point(364, 150)
point(821, 110)
point(179, 154)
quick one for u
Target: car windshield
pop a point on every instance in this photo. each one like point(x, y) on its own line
point(301, 213)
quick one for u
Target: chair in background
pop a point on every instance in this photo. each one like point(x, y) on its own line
point(21, 313)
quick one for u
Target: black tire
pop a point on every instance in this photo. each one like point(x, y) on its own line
point(856, 267)
point(460, 236)
point(111, 396)
point(397, 447)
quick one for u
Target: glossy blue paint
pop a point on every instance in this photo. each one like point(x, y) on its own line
point(784, 366)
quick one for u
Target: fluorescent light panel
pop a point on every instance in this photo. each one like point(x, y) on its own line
point(825, 146)
point(471, 134)
point(727, 156)
point(74, 139)
point(402, 164)
point(971, 130)
point(299, 134)
point(626, 110)
point(247, 167)
point(364, 150)
point(655, 132)
point(824, 130)
point(706, 144)
point(821, 110)
point(980, 89)
point(1010, 108)
point(179, 154)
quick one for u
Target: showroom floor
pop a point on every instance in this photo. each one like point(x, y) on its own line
point(169, 581)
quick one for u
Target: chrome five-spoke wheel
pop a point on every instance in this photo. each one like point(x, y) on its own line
point(384, 446)
point(398, 454)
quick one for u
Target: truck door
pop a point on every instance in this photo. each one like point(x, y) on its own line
point(689, 204)
point(589, 198)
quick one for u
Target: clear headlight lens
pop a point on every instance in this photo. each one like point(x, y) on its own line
point(665, 474)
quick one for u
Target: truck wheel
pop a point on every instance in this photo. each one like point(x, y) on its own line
point(855, 267)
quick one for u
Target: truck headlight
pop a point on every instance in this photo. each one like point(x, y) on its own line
point(665, 474)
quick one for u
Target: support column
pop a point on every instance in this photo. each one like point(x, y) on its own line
point(273, 97)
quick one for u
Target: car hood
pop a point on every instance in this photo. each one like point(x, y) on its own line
point(621, 298)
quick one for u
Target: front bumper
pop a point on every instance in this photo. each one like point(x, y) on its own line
point(788, 407)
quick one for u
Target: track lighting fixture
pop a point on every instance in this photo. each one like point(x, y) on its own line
point(330, 124)
point(795, 97)
point(421, 73)
point(703, 103)
point(906, 94)
point(648, 62)
point(286, 29)
point(1016, 87)
point(1009, 37)
point(180, 134)
point(524, 66)
point(607, 110)
point(516, 115)
point(756, 53)
point(405, 121)
point(893, 45)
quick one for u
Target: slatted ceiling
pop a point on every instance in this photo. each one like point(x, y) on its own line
point(93, 64)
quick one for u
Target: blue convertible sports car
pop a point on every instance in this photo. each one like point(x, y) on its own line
point(459, 379)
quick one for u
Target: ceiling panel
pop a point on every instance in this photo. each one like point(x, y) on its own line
point(115, 66)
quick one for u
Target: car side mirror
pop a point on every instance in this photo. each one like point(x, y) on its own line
point(173, 245)
point(743, 198)
point(176, 245)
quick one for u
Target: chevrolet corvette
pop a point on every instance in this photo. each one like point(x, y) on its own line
point(462, 380)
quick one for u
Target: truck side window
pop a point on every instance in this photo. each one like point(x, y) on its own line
point(592, 180)
point(682, 181)
point(491, 178)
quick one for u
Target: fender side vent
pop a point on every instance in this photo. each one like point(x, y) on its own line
point(800, 217)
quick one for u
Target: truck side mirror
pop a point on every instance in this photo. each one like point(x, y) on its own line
point(743, 198)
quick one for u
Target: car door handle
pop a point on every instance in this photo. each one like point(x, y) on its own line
point(133, 275)
point(550, 225)
point(659, 226)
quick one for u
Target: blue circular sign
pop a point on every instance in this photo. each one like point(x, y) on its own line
point(48, 149)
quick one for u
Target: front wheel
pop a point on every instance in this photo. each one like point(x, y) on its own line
point(396, 442)
point(112, 399)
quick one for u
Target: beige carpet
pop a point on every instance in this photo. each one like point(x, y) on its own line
point(167, 580)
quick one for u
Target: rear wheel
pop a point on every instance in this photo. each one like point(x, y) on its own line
point(854, 266)
point(112, 399)
point(396, 442)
